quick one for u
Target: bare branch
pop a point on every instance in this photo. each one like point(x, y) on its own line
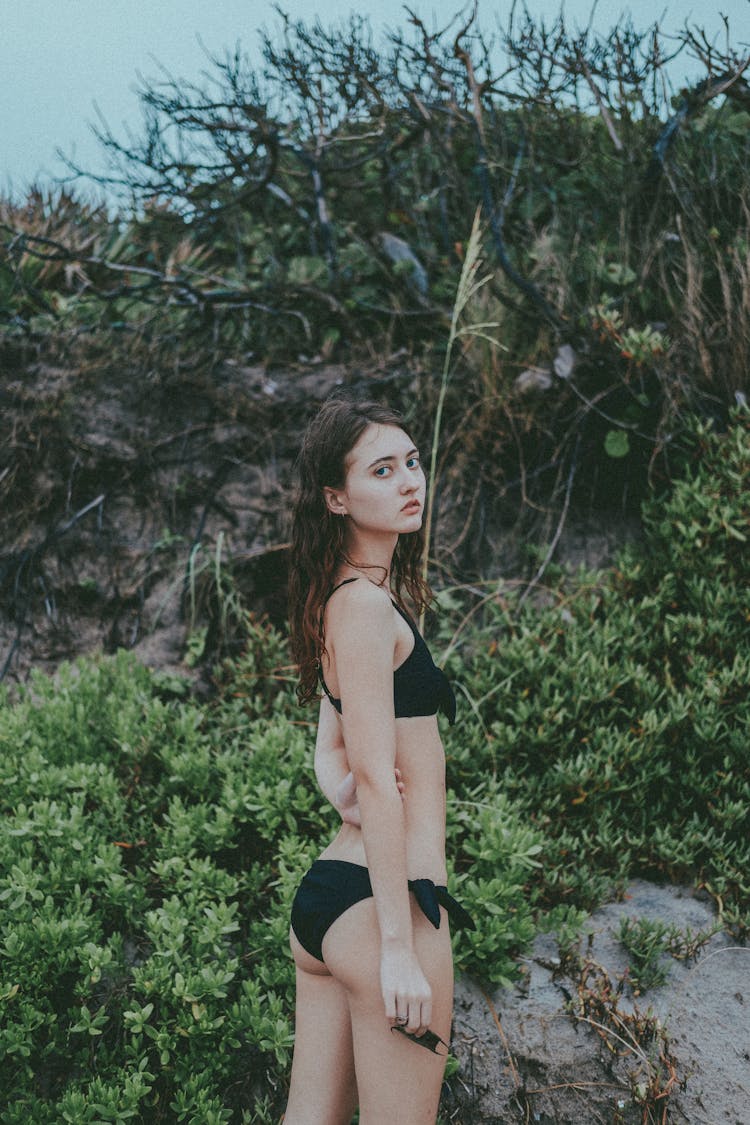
point(604, 111)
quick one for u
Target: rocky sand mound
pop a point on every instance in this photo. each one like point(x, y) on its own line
point(579, 1042)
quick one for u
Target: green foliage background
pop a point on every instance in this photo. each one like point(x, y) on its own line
point(150, 846)
point(318, 207)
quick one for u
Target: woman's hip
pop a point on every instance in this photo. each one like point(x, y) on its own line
point(332, 887)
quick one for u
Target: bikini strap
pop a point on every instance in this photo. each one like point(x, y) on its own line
point(326, 689)
point(330, 595)
point(408, 619)
point(345, 582)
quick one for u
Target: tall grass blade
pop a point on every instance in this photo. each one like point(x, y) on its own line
point(468, 287)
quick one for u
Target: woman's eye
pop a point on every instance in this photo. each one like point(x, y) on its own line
point(412, 463)
point(381, 472)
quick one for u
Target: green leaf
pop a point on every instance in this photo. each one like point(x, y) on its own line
point(616, 443)
point(307, 270)
point(619, 274)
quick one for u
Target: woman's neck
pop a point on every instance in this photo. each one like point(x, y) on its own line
point(372, 554)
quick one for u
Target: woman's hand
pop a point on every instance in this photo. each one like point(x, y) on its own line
point(345, 801)
point(345, 798)
point(406, 992)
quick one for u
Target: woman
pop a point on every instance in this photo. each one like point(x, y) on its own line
point(369, 933)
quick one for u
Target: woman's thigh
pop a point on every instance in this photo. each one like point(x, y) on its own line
point(323, 1088)
point(397, 1080)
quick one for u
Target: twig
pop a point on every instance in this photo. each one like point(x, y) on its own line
point(632, 1046)
point(182, 434)
point(693, 101)
point(467, 287)
point(74, 519)
point(578, 1086)
point(513, 1069)
point(182, 291)
point(560, 525)
point(603, 110)
point(12, 651)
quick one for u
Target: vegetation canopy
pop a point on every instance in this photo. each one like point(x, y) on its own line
point(316, 206)
point(150, 846)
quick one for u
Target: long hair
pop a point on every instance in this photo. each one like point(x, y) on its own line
point(318, 546)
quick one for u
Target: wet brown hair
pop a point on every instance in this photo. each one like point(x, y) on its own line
point(318, 535)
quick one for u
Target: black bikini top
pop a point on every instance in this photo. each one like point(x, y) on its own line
point(419, 686)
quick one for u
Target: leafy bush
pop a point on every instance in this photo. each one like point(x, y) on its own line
point(138, 866)
point(616, 715)
point(324, 212)
point(150, 847)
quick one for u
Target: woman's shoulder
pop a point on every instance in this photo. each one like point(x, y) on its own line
point(360, 630)
point(359, 603)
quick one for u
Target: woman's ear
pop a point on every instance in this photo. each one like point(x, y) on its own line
point(334, 502)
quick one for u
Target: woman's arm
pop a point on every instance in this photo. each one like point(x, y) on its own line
point(331, 766)
point(332, 771)
point(362, 634)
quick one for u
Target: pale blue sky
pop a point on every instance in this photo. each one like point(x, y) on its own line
point(60, 58)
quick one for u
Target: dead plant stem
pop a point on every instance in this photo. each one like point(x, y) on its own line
point(511, 1062)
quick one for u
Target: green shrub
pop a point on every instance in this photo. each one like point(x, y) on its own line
point(616, 716)
point(150, 847)
point(499, 850)
point(647, 941)
point(138, 848)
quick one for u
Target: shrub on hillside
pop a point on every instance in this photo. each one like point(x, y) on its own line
point(150, 847)
point(323, 213)
point(617, 715)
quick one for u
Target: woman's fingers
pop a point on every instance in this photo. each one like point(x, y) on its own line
point(414, 1022)
point(351, 815)
point(413, 1013)
point(406, 992)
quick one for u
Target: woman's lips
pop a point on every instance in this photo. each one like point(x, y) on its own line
point(412, 506)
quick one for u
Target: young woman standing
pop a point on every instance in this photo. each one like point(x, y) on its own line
point(369, 933)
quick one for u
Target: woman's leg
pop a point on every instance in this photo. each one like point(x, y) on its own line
point(397, 1080)
point(323, 1089)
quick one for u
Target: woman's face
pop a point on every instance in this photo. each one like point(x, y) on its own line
point(384, 490)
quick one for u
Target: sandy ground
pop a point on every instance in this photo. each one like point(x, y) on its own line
point(525, 1057)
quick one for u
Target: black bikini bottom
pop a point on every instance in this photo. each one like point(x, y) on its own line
point(331, 886)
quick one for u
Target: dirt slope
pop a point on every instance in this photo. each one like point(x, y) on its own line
point(529, 1055)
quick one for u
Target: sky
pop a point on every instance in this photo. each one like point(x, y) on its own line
point(65, 62)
